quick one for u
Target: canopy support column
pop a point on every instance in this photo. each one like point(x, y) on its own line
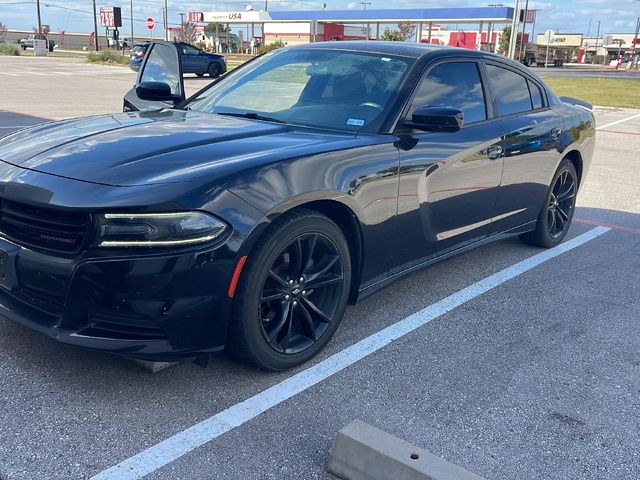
point(419, 33)
point(429, 34)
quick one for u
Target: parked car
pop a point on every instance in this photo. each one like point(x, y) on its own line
point(247, 216)
point(27, 42)
point(193, 60)
point(136, 55)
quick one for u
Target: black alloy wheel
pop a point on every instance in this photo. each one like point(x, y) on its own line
point(300, 295)
point(292, 292)
point(557, 211)
point(561, 203)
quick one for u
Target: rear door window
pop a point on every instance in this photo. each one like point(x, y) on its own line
point(536, 95)
point(510, 89)
point(454, 85)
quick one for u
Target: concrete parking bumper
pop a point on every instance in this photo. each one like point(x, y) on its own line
point(363, 452)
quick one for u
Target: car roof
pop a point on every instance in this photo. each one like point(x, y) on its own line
point(413, 50)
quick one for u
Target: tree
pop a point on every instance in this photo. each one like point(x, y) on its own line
point(503, 45)
point(187, 32)
point(406, 31)
point(390, 35)
point(210, 29)
point(3, 31)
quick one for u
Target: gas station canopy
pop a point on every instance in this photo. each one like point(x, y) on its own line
point(415, 15)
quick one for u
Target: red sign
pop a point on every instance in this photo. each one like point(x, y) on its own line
point(107, 17)
point(195, 17)
point(150, 23)
point(199, 30)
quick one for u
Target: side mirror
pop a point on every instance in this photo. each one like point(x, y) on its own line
point(159, 83)
point(155, 92)
point(437, 119)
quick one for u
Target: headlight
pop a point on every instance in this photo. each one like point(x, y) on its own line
point(158, 229)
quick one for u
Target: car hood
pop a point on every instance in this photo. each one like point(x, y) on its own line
point(142, 148)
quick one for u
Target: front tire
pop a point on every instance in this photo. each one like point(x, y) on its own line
point(292, 293)
point(214, 70)
point(557, 211)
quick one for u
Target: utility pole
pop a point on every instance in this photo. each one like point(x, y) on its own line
point(266, 5)
point(166, 21)
point(39, 20)
point(131, 5)
point(95, 26)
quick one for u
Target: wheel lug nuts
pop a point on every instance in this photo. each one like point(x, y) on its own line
point(290, 282)
point(302, 279)
point(304, 292)
point(287, 297)
point(295, 303)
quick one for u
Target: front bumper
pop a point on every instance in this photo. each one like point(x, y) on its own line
point(152, 307)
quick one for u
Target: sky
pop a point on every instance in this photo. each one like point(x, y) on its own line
point(564, 16)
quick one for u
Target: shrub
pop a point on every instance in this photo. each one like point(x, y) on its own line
point(271, 46)
point(108, 56)
point(9, 49)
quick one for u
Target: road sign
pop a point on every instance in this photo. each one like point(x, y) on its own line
point(150, 23)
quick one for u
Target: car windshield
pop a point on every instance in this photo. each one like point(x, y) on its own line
point(334, 89)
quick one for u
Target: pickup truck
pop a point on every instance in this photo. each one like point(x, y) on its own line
point(27, 42)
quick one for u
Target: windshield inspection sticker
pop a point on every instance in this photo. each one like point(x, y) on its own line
point(355, 122)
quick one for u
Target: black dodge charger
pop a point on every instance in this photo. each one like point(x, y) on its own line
point(247, 216)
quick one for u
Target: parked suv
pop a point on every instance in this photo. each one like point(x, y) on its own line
point(193, 60)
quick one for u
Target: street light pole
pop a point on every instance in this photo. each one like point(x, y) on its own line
point(524, 26)
point(39, 20)
point(597, 38)
point(514, 31)
point(95, 26)
point(131, 5)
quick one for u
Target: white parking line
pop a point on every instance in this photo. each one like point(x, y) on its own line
point(602, 127)
point(199, 434)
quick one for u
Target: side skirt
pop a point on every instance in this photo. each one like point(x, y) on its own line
point(371, 289)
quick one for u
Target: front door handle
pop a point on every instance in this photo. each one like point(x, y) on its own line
point(555, 133)
point(494, 152)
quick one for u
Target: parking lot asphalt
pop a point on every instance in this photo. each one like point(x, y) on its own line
point(536, 378)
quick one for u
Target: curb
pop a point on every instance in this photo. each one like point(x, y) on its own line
point(362, 452)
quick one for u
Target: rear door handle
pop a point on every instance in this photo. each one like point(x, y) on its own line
point(494, 152)
point(555, 133)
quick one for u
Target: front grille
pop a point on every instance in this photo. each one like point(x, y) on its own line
point(42, 227)
point(122, 327)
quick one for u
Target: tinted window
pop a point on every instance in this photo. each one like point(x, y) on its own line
point(455, 85)
point(510, 89)
point(536, 95)
point(190, 50)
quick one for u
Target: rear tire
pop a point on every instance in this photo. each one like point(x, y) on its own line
point(557, 210)
point(292, 292)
